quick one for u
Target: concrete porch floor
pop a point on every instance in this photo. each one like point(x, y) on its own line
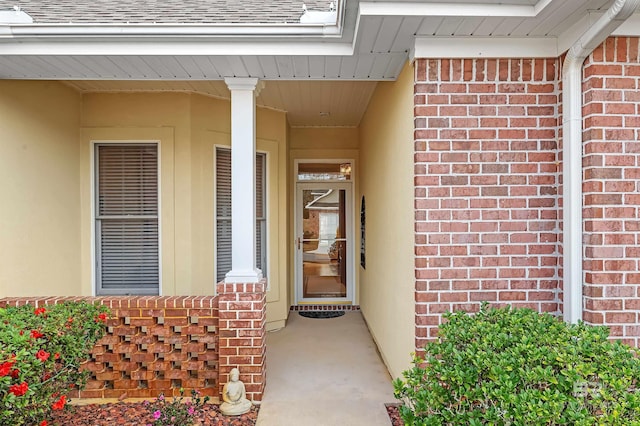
point(325, 372)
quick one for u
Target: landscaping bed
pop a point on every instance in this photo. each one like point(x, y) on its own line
point(137, 413)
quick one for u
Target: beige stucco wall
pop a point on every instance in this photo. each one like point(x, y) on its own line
point(47, 132)
point(386, 181)
point(188, 127)
point(39, 180)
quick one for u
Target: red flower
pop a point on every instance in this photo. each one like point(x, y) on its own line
point(46, 377)
point(21, 332)
point(102, 318)
point(42, 355)
point(5, 368)
point(19, 390)
point(40, 311)
point(59, 404)
point(56, 355)
point(15, 373)
point(44, 423)
point(36, 334)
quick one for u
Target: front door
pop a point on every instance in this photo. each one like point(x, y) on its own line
point(324, 249)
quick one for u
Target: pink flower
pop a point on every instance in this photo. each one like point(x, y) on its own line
point(191, 410)
point(157, 414)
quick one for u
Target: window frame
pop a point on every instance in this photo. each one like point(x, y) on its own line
point(96, 220)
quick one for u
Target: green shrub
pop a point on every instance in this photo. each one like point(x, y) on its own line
point(40, 355)
point(517, 367)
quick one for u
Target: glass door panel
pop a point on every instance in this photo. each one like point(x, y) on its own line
point(323, 244)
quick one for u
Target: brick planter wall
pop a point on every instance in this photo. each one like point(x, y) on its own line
point(152, 345)
point(486, 182)
point(611, 170)
point(242, 310)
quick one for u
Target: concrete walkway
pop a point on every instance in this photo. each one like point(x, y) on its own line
point(325, 372)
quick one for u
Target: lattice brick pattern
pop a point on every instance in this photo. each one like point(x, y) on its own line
point(152, 345)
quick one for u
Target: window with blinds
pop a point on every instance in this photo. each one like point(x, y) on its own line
point(223, 213)
point(127, 251)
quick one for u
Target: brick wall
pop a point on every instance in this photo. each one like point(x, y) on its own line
point(152, 345)
point(161, 344)
point(611, 170)
point(486, 177)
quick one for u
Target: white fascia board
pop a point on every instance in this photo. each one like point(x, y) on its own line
point(485, 47)
point(174, 47)
point(368, 8)
point(172, 30)
point(630, 28)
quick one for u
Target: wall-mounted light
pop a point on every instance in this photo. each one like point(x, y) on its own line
point(345, 169)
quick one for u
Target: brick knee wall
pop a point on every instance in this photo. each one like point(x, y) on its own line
point(152, 345)
point(242, 310)
point(611, 167)
point(486, 184)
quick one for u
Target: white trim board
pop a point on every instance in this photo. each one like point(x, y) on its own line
point(485, 47)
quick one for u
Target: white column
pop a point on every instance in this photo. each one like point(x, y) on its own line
point(243, 187)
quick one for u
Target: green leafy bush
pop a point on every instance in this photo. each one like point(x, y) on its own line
point(41, 350)
point(518, 367)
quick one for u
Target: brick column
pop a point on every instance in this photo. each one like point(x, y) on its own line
point(611, 144)
point(242, 332)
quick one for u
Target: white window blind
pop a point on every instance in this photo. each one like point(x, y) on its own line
point(127, 250)
point(223, 213)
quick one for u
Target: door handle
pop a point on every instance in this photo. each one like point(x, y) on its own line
point(298, 243)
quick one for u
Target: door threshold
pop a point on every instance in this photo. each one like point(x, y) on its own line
point(346, 306)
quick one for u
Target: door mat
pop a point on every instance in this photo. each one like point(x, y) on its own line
point(321, 314)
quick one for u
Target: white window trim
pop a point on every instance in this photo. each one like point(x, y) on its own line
point(92, 184)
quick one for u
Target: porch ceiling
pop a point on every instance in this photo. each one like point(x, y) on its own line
point(369, 41)
point(307, 103)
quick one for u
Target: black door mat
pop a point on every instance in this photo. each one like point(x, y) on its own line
point(321, 314)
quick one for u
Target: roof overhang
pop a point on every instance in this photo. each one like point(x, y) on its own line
point(370, 40)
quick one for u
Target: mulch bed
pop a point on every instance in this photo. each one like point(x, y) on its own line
point(137, 414)
point(394, 415)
